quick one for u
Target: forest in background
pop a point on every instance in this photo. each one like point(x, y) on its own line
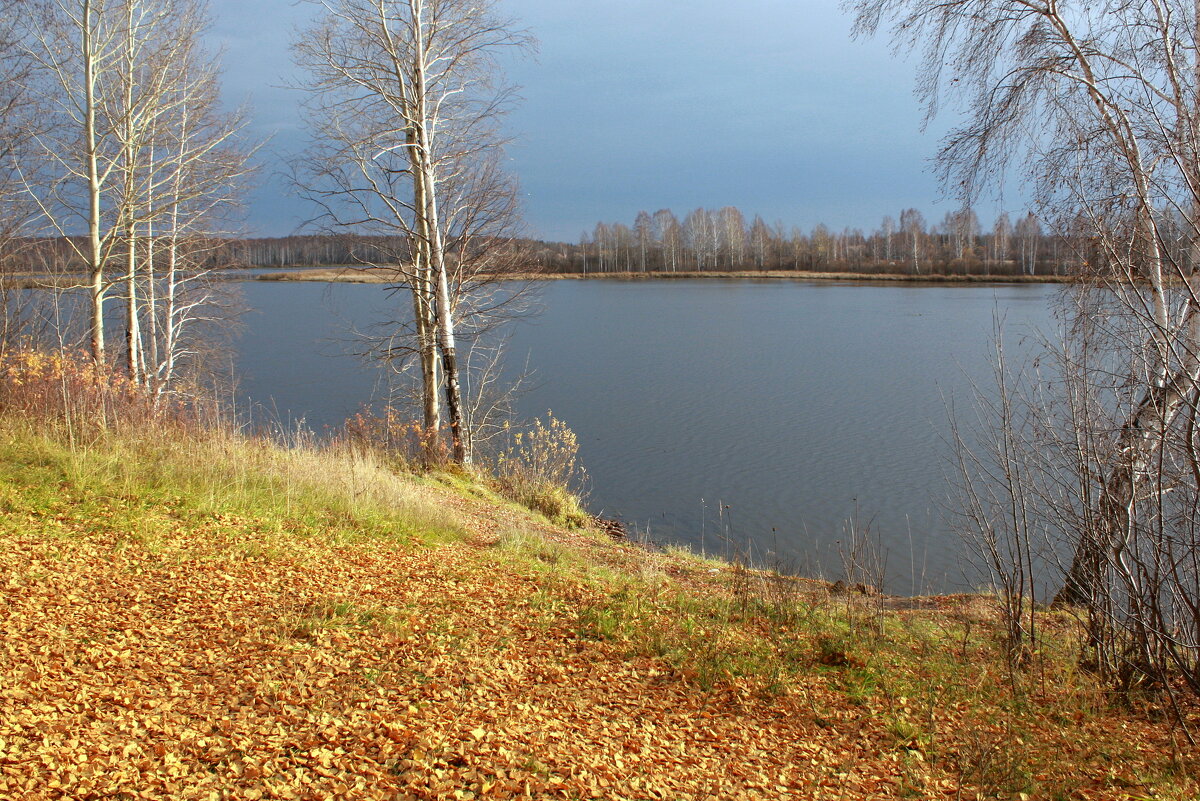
point(723, 240)
point(705, 241)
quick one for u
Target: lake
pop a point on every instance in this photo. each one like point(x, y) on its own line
point(759, 416)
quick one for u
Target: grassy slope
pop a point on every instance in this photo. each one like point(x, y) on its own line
point(214, 618)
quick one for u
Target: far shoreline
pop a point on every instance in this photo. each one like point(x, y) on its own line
point(358, 275)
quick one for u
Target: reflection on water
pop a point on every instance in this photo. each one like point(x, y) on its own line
point(759, 412)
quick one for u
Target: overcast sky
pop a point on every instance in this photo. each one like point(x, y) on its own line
point(646, 104)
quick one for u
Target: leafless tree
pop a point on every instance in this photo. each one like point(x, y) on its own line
point(1097, 104)
point(1028, 234)
point(760, 242)
point(1001, 235)
point(406, 98)
point(963, 229)
point(887, 231)
point(643, 232)
point(76, 47)
point(669, 234)
point(912, 225)
point(197, 165)
point(700, 234)
point(137, 154)
point(731, 228)
point(821, 241)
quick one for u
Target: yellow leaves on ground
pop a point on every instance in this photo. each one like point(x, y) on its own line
point(169, 674)
point(195, 671)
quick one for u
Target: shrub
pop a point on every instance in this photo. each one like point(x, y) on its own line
point(67, 386)
point(67, 389)
point(397, 436)
point(538, 467)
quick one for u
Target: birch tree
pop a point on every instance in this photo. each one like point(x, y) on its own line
point(644, 233)
point(731, 230)
point(964, 228)
point(1028, 234)
point(193, 169)
point(700, 233)
point(887, 231)
point(76, 46)
point(912, 225)
point(406, 99)
point(669, 234)
point(1001, 234)
point(151, 84)
point(1097, 104)
point(760, 242)
point(821, 243)
point(602, 236)
point(133, 139)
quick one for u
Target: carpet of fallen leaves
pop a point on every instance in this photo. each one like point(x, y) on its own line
point(226, 661)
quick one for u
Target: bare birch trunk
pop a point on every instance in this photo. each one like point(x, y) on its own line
point(431, 233)
point(129, 203)
point(133, 336)
point(423, 312)
point(95, 254)
point(427, 345)
point(454, 404)
point(167, 370)
point(150, 359)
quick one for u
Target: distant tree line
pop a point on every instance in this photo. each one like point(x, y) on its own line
point(48, 255)
point(711, 241)
point(708, 240)
point(314, 250)
point(57, 254)
point(722, 240)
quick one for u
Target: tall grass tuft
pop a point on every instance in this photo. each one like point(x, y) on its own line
point(538, 467)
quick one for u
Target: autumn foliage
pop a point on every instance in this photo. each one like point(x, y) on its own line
point(393, 432)
point(68, 387)
point(58, 383)
point(535, 464)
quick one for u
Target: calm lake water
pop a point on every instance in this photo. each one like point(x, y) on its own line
point(763, 413)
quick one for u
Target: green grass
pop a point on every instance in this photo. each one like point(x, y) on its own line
point(129, 479)
point(151, 479)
